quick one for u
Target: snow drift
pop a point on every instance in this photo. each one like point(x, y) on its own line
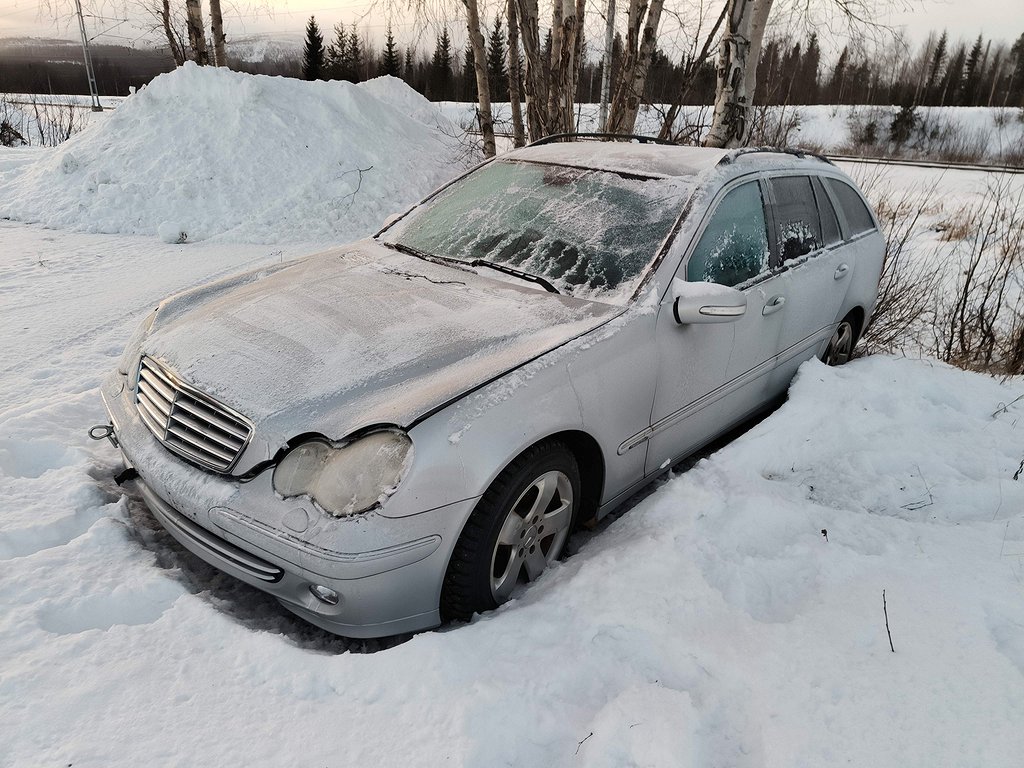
point(208, 153)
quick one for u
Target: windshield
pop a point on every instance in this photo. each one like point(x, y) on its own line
point(590, 233)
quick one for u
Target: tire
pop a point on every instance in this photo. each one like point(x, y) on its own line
point(840, 346)
point(514, 532)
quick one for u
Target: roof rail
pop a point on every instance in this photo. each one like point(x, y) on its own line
point(600, 137)
point(736, 154)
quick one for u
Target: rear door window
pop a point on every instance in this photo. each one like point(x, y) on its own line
point(829, 221)
point(734, 246)
point(855, 212)
point(796, 217)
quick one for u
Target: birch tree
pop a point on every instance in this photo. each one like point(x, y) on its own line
point(514, 76)
point(217, 32)
point(641, 42)
point(730, 123)
point(483, 88)
point(196, 32)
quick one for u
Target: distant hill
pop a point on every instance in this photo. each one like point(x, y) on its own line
point(51, 65)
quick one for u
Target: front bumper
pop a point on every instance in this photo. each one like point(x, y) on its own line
point(387, 571)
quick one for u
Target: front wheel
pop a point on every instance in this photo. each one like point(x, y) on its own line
point(517, 530)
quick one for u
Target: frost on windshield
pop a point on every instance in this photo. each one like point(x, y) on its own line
point(591, 233)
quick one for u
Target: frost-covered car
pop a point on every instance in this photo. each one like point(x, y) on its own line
point(404, 429)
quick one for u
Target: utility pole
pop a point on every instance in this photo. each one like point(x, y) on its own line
point(606, 70)
point(93, 91)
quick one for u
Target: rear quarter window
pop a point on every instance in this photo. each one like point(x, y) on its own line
point(855, 212)
point(796, 217)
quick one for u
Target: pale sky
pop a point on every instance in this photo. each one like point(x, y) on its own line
point(1002, 20)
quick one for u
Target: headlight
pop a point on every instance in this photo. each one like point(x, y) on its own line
point(345, 479)
point(130, 356)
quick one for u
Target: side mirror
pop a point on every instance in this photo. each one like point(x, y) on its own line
point(706, 303)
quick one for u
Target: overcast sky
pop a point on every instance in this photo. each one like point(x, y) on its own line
point(998, 19)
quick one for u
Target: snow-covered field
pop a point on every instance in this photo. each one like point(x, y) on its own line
point(713, 624)
point(989, 134)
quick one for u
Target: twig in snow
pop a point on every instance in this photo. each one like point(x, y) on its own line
point(1020, 470)
point(1004, 407)
point(916, 505)
point(824, 532)
point(359, 183)
point(886, 612)
point(581, 743)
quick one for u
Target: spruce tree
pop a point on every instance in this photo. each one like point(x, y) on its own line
point(337, 54)
point(355, 56)
point(468, 90)
point(390, 63)
point(497, 74)
point(938, 58)
point(972, 75)
point(313, 53)
point(409, 67)
point(440, 85)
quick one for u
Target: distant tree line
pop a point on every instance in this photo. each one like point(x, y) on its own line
point(940, 72)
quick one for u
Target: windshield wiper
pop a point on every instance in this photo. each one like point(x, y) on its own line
point(514, 272)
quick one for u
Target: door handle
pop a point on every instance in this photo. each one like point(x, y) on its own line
point(774, 304)
point(841, 271)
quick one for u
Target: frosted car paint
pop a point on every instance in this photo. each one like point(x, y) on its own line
point(581, 368)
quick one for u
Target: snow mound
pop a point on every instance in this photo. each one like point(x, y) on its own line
point(209, 153)
point(395, 92)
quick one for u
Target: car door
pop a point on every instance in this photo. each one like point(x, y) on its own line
point(814, 270)
point(710, 376)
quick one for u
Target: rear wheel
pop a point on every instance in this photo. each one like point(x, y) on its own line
point(840, 346)
point(517, 530)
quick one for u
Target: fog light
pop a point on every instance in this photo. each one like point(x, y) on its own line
point(324, 594)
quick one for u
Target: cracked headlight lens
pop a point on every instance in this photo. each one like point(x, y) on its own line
point(349, 478)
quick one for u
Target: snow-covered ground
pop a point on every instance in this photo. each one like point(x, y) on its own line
point(733, 617)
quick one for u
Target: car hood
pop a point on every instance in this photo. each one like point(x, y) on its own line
point(357, 336)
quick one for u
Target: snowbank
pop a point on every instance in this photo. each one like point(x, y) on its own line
point(208, 153)
point(711, 625)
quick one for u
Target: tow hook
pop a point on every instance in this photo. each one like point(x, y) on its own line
point(104, 431)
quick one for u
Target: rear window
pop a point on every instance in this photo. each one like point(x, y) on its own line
point(858, 218)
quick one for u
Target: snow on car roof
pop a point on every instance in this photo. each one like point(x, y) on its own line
point(646, 159)
point(654, 159)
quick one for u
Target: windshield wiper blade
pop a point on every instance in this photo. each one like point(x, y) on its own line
point(515, 273)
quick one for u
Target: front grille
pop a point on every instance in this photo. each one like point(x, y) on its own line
point(188, 422)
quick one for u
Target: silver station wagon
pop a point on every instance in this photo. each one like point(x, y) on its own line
point(407, 429)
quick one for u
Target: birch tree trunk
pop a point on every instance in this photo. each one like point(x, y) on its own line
point(172, 42)
point(217, 32)
point(196, 32)
point(758, 24)
point(730, 124)
point(518, 134)
point(562, 86)
point(641, 40)
point(535, 82)
point(483, 87)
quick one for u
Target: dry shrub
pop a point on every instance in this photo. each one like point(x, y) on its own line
point(980, 324)
point(961, 300)
point(908, 282)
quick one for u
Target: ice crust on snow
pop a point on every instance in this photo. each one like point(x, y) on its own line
point(209, 153)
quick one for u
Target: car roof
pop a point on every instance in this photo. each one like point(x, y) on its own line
point(661, 159)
